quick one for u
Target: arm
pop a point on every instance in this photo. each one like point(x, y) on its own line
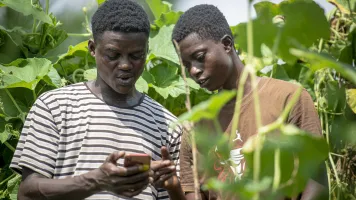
point(305, 117)
point(127, 182)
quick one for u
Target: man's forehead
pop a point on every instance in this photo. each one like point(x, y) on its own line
point(191, 42)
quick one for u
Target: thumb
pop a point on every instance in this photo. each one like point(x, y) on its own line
point(165, 153)
point(113, 157)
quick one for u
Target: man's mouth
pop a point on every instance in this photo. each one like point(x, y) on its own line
point(203, 82)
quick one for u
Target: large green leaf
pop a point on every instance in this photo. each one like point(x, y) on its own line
point(168, 18)
point(319, 61)
point(80, 49)
point(10, 44)
point(301, 28)
point(208, 109)
point(53, 78)
point(351, 99)
point(24, 72)
point(301, 155)
point(90, 74)
point(161, 45)
point(159, 7)
point(100, 1)
point(27, 8)
point(13, 186)
point(166, 80)
point(141, 85)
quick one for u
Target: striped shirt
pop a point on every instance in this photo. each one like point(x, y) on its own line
point(70, 131)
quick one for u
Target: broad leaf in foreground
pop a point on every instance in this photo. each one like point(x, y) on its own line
point(24, 72)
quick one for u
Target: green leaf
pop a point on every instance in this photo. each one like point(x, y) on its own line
point(141, 85)
point(8, 107)
point(319, 61)
point(301, 155)
point(301, 28)
point(11, 44)
point(27, 8)
point(158, 7)
point(344, 6)
point(13, 186)
point(264, 32)
point(80, 49)
point(166, 80)
point(24, 72)
point(53, 78)
point(351, 99)
point(261, 8)
point(208, 109)
point(100, 2)
point(90, 74)
point(167, 19)
point(161, 45)
point(48, 38)
point(4, 131)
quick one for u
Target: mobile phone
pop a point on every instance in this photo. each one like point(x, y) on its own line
point(137, 159)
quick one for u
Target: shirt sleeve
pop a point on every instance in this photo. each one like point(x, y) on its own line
point(305, 116)
point(38, 143)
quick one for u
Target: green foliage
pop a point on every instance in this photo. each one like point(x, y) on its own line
point(302, 39)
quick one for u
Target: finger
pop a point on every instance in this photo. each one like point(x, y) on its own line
point(161, 164)
point(113, 157)
point(129, 171)
point(164, 171)
point(165, 153)
point(133, 189)
point(141, 177)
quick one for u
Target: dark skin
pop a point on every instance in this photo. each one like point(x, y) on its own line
point(120, 59)
point(214, 65)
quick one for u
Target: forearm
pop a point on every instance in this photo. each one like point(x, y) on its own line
point(78, 187)
point(176, 194)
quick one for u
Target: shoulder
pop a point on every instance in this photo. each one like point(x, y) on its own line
point(157, 108)
point(68, 92)
point(280, 89)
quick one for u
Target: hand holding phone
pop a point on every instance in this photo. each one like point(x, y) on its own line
point(137, 159)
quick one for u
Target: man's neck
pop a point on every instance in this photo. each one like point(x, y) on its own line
point(101, 89)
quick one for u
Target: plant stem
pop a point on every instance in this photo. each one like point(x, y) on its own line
point(277, 169)
point(34, 26)
point(189, 108)
point(9, 146)
point(13, 101)
point(47, 6)
point(236, 116)
point(8, 178)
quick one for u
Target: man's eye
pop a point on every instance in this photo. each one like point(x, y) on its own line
point(201, 57)
point(111, 57)
point(137, 56)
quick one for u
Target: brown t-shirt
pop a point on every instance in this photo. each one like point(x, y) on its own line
point(273, 96)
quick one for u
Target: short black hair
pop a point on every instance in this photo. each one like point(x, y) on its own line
point(205, 20)
point(121, 16)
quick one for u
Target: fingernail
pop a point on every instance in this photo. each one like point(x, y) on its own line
point(144, 167)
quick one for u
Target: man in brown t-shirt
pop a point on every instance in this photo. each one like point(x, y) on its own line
point(207, 50)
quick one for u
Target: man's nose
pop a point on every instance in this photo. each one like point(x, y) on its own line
point(125, 64)
point(195, 72)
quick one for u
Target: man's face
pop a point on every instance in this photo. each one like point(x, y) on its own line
point(120, 58)
point(207, 61)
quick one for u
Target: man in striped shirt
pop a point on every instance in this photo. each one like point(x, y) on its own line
point(74, 138)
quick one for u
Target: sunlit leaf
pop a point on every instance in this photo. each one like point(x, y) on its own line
point(301, 155)
point(208, 109)
point(81, 49)
point(167, 19)
point(24, 72)
point(319, 61)
point(53, 78)
point(27, 8)
point(13, 186)
point(100, 1)
point(159, 7)
point(141, 85)
point(344, 5)
point(161, 45)
point(90, 74)
point(351, 99)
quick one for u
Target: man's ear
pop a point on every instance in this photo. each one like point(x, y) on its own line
point(228, 43)
point(91, 47)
